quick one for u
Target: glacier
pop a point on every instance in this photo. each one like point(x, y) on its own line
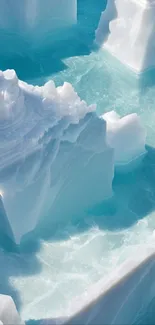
point(126, 30)
point(52, 146)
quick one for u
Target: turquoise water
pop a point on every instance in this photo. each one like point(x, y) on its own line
point(147, 317)
point(63, 263)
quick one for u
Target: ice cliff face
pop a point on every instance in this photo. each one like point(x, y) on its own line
point(56, 156)
point(126, 29)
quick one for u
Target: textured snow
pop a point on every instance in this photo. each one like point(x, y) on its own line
point(126, 29)
point(52, 146)
point(8, 311)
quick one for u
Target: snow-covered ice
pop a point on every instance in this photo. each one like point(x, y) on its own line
point(126, 29)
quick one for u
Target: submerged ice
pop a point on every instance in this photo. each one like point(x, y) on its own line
point(57, 156)
point(29, 24)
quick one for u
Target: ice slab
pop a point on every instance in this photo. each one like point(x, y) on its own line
point(8, 312)
point(126, 29)
point(119, 299)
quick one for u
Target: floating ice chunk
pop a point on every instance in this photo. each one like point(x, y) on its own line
point(126, 135)
point(52, 155)
point(8, 312)
point(126, 29)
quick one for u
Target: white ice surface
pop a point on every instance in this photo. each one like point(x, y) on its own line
point(126, 29)
point(8, 312)
point(52, 146)
point(126, 135)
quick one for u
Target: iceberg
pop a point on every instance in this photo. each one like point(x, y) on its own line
point(53, 152)
point(57, 156)
point(8, 312)
point(126, 30)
